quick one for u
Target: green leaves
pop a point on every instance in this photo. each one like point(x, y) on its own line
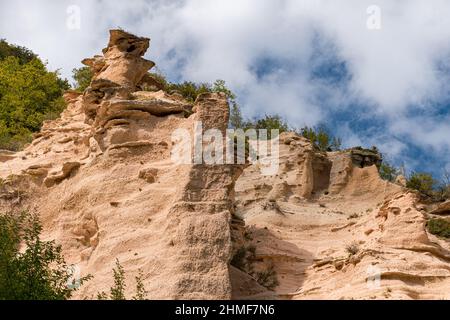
point(388, 172)
point(439, 227)
point(82, 77)
point(422, 182)
point(23, 54)
point(321, 138)
point(117, 291)
point(38, 271)
point(29, 94)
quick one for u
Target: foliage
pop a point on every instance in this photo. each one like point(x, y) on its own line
point(439, 227)
point(422, 182)
point(23, 54)
point(388, 172)
point(268, 278)
point(38, 271)
point(321, 138)
point(159, 77)
point(271, 122)
point(141, 293)
point(117, 291)
point(352, 248)
point(189, 90)
point(83, 77)
point(268, 122)
point(245, 258)
point(442, 192)
point(29, 94)
point(236, 119)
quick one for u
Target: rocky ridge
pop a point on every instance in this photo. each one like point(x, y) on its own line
point(102, 180)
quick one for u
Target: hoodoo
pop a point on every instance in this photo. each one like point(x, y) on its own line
point(324, 225)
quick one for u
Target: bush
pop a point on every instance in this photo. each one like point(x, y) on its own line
point(117, 292)
point(23, 54)
point(38, 271)
point(422, 182)
point(244, 259)
point(83, 77)
point(29, 94)
point(388, 172)
point(439, 227)
point(321, 138)
point(352, 248)
point(268, 278)
point(189, 90)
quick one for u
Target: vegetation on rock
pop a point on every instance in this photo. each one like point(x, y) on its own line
point(29, 94)
point(439, 227)
point(245, 258)
point(83, 77)
point(388, 172)
point(32, 269)
point(117, 291)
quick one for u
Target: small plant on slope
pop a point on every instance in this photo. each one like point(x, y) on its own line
point(117, 292)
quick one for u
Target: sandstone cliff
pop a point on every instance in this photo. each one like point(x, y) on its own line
point(103, 182)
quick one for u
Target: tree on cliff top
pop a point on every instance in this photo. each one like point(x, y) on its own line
point(29, 94)
point(82, 77)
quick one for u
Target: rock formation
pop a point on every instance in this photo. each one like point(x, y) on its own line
point(102, 180)
point(335, 230)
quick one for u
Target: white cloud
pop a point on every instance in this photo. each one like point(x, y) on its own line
point(392, 69)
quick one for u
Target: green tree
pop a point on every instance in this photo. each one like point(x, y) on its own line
point(29, 94)
point(388, 172)
point(321, 138)
point(23, 54)
point(236, 119)
point(422, 182)
point(270, 122)
point(189, 90)
point(83, 77)
point(37, 271)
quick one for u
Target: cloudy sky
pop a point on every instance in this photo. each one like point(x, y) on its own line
point(376, 72)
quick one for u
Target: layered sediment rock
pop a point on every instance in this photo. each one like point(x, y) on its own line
point(335, 230)
point(102, 179)
point(104, 183)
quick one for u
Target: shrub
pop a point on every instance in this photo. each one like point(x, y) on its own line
point(388, 172)
point(352, 248)
point(141, 293)
point(117, 291)
point(83, 77)
point(244, 260)
point(23, 54)
point(268, 278)
point(422, 182)
point(439, 227)
point(321, 138)
point(189, 90)
point(29, 94)
point(268, 122)
point(38, 271)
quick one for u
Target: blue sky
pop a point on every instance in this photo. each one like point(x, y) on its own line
point(310, 61)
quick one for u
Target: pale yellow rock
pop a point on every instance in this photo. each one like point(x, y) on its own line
point(103, 182)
